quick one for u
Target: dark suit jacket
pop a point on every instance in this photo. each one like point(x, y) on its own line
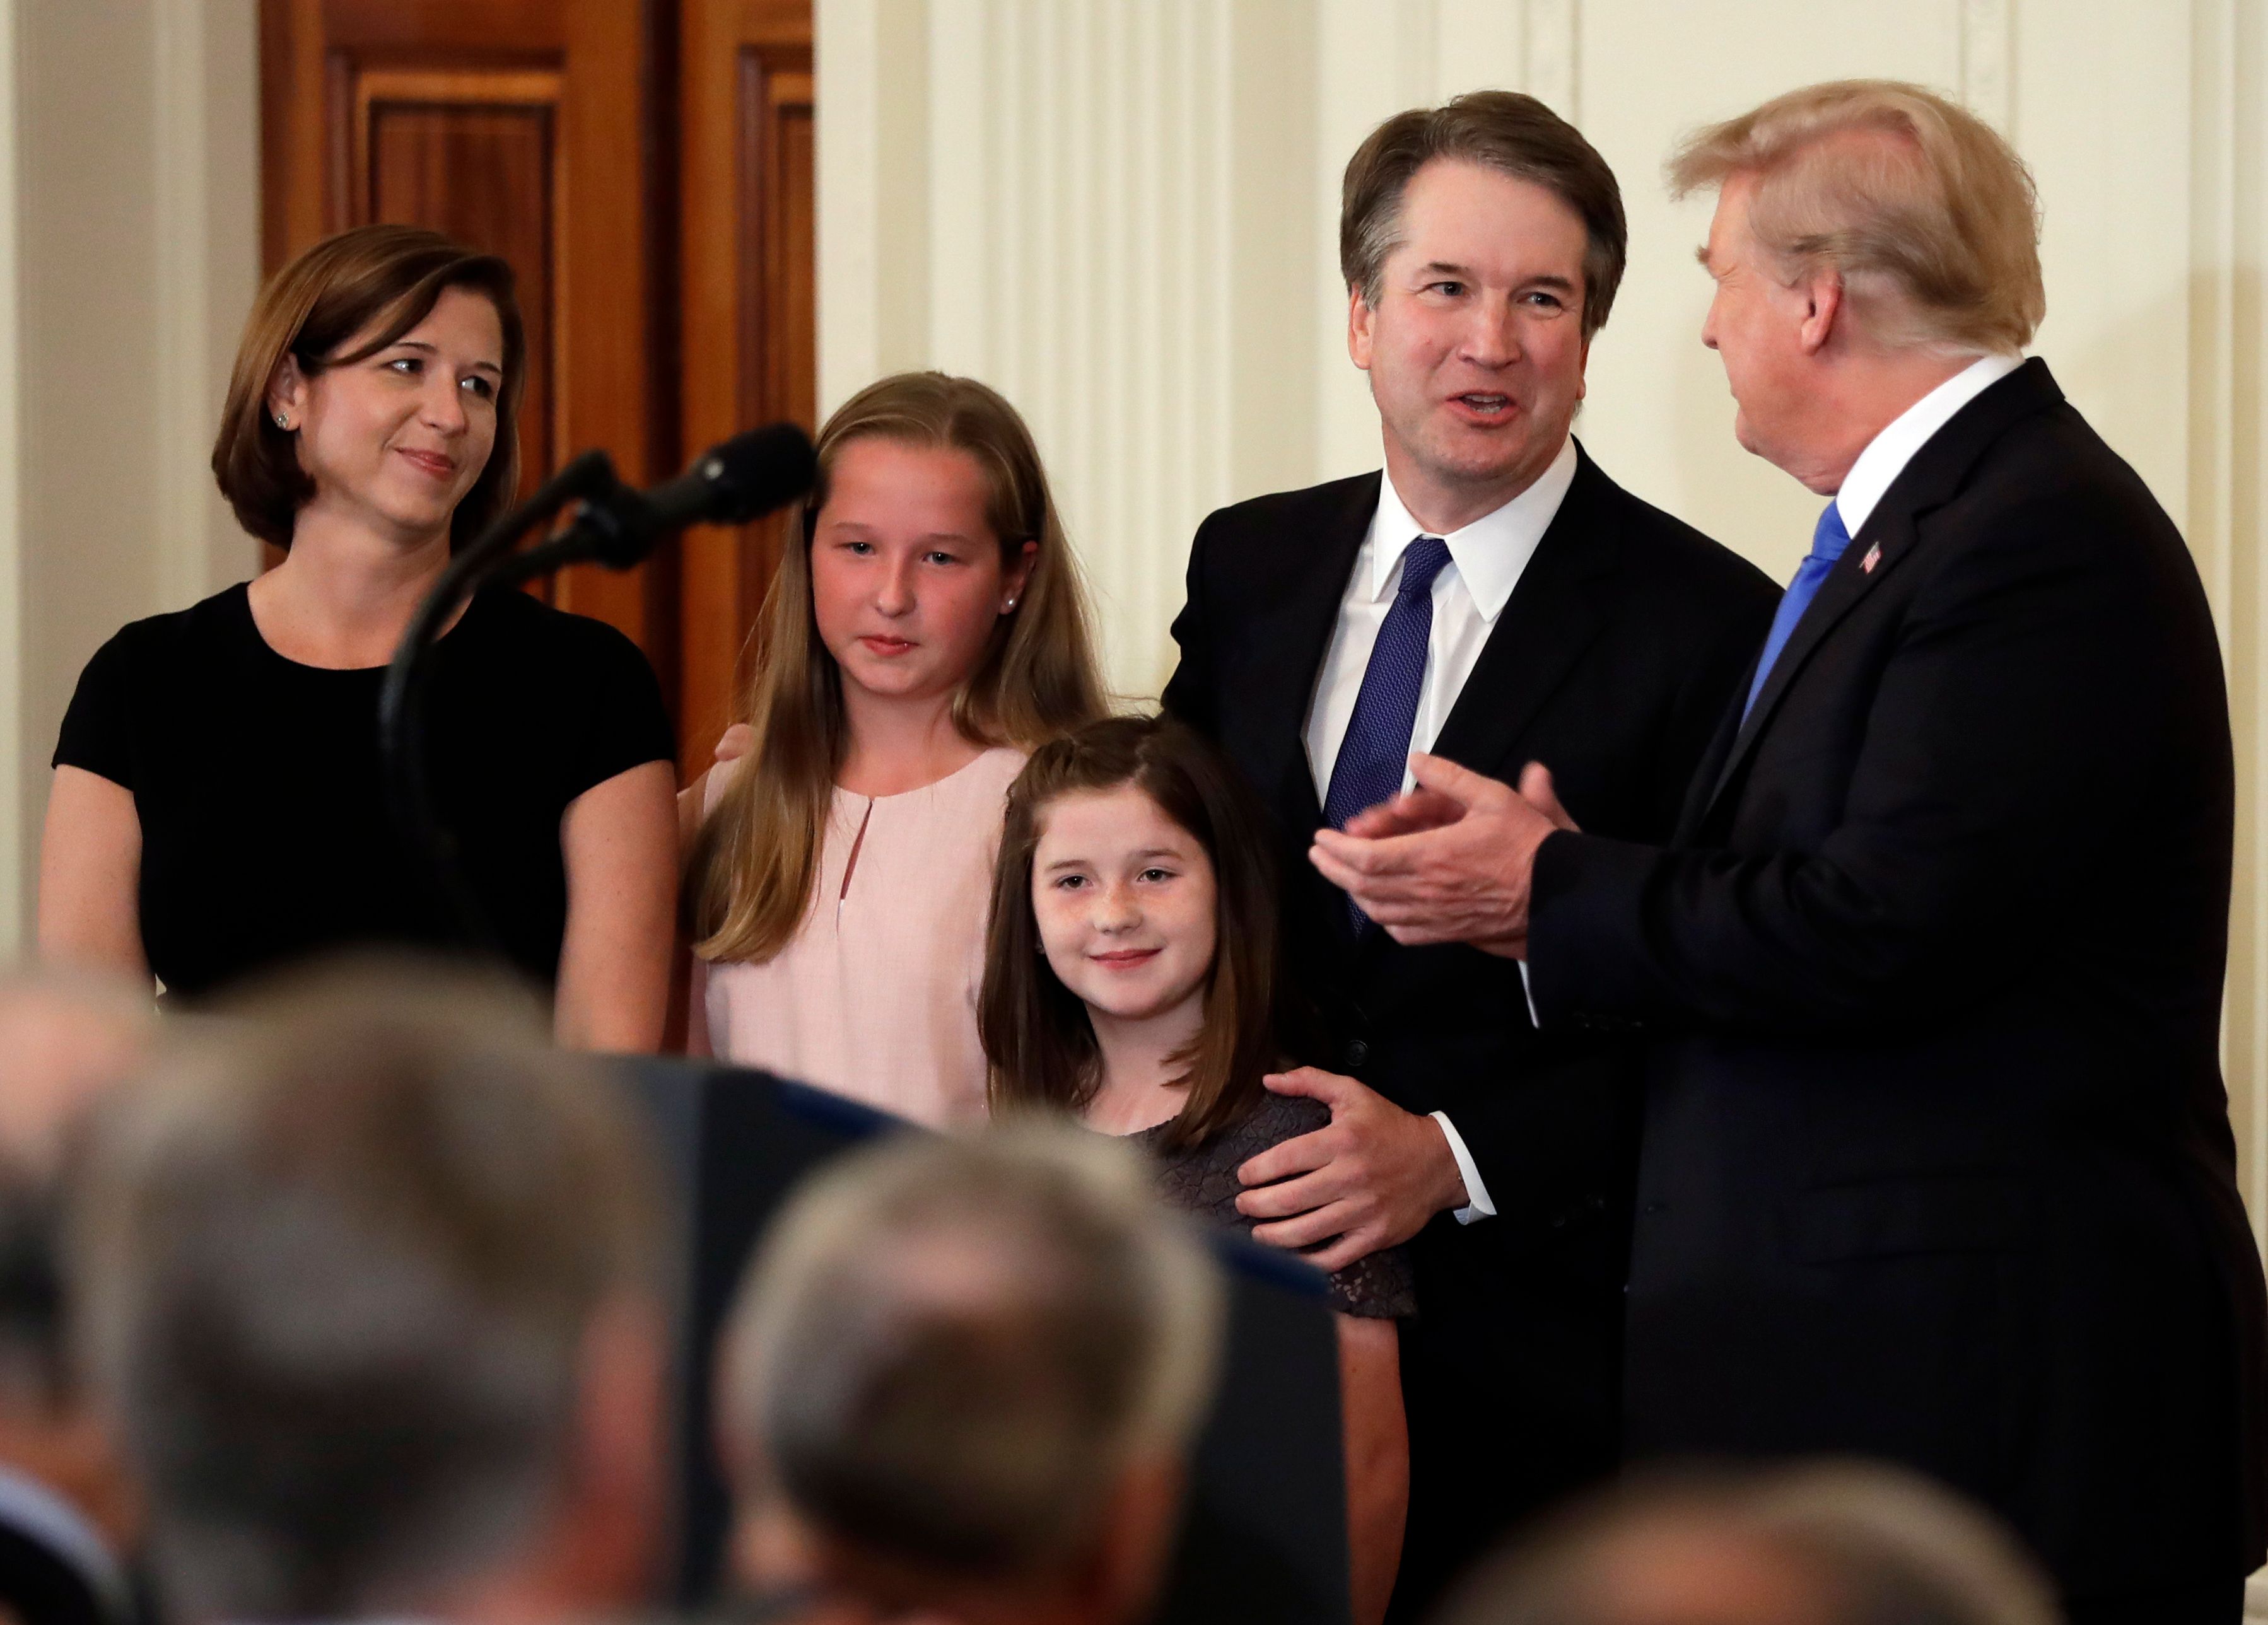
point(1611, 663)
point(1937, 1159)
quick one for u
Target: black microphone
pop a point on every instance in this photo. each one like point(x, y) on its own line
point(746, 477)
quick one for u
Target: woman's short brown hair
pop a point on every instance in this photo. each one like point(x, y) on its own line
point(1503, 130)
point(1922, 209)
point(388, 276)
point(1038, 1039)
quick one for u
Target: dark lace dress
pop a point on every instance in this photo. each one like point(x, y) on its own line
point(1202, 1179)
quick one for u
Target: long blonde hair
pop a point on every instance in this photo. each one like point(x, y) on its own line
point(753, 869)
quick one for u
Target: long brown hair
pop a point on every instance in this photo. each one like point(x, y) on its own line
point(389, 277)
point(757, 858)
point(1038, 1039)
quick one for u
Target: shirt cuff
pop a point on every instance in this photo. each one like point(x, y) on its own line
point(1478, 1204)
point(1527, 992)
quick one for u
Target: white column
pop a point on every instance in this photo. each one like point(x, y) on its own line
point(129, 239)
point(2227, 246)
point(1080, 254)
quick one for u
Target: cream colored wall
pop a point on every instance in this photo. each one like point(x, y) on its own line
point(130, 244)
point(1123, 212)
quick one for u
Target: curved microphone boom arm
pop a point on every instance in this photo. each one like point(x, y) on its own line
point(740, 481)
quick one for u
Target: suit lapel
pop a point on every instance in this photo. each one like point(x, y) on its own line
point(1288, 644)
point(1554, 613)
point(1702, 792)
point(1886, 539)
point(1291, 643)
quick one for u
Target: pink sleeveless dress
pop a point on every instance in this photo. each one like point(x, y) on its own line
point(875, 997)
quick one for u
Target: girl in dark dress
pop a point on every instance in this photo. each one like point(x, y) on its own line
point(1130, 978)
point(217, 807)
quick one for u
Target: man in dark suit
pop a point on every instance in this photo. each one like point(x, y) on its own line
point(68, 1518)
point(1494, 597)
point(1937, 1163)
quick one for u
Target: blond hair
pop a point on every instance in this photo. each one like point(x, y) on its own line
point(757, 858)
point(1922, 208)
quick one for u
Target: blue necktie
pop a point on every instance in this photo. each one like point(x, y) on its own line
point(1828, 540)
point(1375, 753)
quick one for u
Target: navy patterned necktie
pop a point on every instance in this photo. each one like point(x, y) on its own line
point(1375, 753)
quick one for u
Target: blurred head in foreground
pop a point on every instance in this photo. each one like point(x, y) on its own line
point(1830, 1544)
point(68, 1511)
point(963, 1376)
point(369, 1288)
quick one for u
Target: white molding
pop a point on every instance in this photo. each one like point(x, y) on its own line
point(847, 139)
point(1555, 63)
point(2228, 440)
point(2228, 527)
point(205, 226)
point(1987, 68)
point(1076, 170)
point(18, 840)
point(181, 224)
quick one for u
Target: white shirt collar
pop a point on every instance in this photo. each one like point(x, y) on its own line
point(1491, 552)
point(1889, 452)
point(39, 1512)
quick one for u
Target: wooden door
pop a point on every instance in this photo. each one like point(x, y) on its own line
point(530, 128)
point(750, 330)
point(646, 166)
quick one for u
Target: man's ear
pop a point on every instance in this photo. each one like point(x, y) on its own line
point(611, 1511)
point(1359, 316)
point(1138, 1525)
point(1825, 304)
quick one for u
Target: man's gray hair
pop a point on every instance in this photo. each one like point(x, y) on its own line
point(1825, 1543)
point(65, 1037)
point(950, 1349)
point(338, 1261)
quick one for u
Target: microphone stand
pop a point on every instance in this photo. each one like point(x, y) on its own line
point(489, 559)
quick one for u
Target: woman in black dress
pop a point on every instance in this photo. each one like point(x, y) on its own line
point(218, 807)
point(1130, 979)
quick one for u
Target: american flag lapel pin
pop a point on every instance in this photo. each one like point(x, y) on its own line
point(1873, 557)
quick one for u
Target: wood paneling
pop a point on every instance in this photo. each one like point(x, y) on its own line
point(523, 127)
point(475, 155)
point(750, 333)
point(646, 166)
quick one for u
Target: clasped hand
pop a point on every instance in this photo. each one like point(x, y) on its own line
point(1369, 1179)
point(1451, 860)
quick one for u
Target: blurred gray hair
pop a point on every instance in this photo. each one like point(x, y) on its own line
point(66, 1036)
point(339, 1260)
point(950, 1349)
point(1849, 1543)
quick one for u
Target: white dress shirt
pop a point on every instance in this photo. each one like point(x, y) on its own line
point(1889, 452)
point(29, 1506)
point(1486, 559)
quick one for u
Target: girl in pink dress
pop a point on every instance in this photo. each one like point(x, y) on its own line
point(928, 633)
